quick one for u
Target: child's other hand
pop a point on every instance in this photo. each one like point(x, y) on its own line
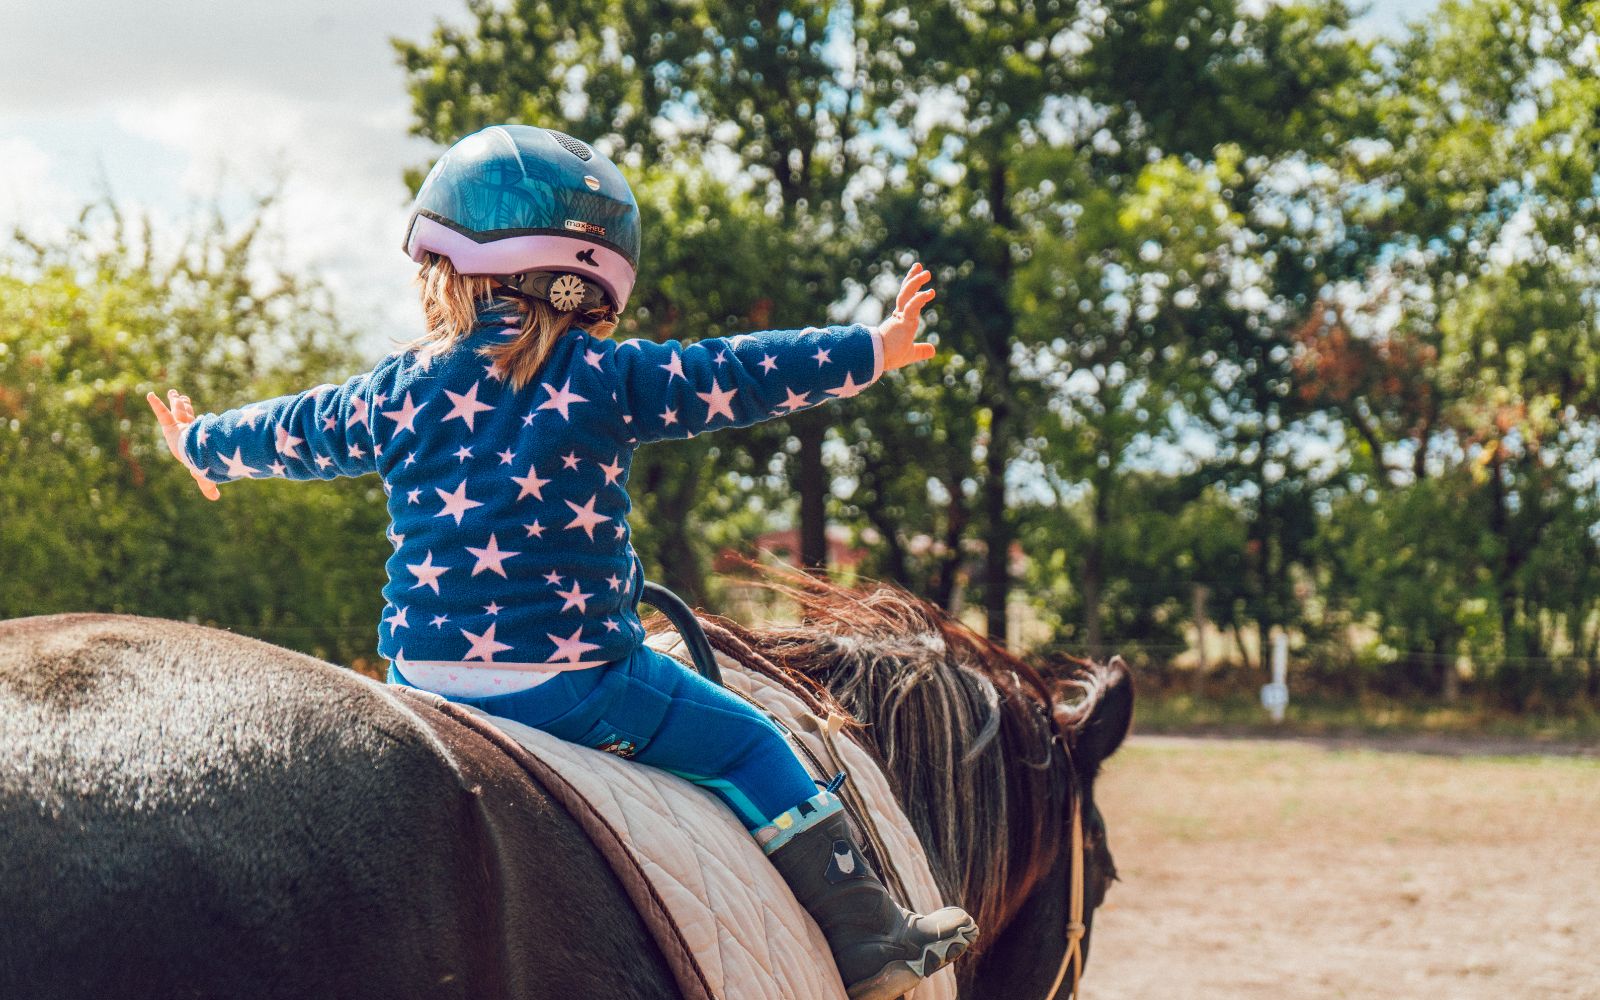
point(899, 330)
point(174, 421)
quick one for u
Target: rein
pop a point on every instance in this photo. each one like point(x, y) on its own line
point(1076, 929)
point(1072, 957)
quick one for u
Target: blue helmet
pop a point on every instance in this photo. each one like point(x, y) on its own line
point(531, 206)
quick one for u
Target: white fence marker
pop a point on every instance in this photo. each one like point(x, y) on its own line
point(1275, 696)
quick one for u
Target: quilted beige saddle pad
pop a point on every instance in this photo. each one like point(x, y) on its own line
point(749, 938)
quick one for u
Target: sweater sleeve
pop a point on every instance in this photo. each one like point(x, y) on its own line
point(321, 433)
point(674, 390)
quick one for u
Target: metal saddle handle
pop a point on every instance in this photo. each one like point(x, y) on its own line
point(688, 626)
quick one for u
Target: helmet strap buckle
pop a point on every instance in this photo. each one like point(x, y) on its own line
point(564, 290)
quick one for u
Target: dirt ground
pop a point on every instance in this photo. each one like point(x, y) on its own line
point(1291, 871)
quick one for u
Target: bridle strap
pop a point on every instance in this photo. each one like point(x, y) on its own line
point(1072, 957)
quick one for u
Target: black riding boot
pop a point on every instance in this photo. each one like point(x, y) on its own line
point(882, 950)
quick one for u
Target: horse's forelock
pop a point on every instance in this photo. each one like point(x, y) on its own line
point(1074, 697)
point(1087, 713)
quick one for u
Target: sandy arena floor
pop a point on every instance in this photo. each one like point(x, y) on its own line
point(1288, 871)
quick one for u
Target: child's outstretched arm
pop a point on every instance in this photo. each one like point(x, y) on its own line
point(672, 390)
point(317, 434)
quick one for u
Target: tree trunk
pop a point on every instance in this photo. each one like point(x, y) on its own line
point(1261, 532)
point(872, 500)
point(1450, 688)
point(947, 581)
point(997, 526)
point(813, 486)
point(996, 536)
point(1238, 641)
point(1094, 571)
point(676, 548)
point(1092, 638)
point(1200, 594)
point(1498, 520)
point(1588, 648)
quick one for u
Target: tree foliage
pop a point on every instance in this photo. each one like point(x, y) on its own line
point(1245, 321)
point(95, 515)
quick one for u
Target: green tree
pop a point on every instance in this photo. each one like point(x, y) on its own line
point(1030, 119)
point(1469, 353)
point(95, 515)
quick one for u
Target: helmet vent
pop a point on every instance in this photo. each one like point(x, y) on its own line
point(571, 145)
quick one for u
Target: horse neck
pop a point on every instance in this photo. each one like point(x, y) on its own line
point(975, 772)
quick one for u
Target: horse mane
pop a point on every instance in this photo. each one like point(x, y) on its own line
point(963, 727)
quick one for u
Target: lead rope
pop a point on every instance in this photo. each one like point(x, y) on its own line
point(1073, 956)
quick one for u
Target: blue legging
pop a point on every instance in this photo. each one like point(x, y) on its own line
point(653, 709)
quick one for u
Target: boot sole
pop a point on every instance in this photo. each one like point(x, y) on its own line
point(902, 975)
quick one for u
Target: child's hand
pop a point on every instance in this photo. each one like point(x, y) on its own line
point(899, 331)
point(173, 423)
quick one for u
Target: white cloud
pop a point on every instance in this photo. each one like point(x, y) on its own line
point(336, 174)
point(68, 55)
point(31, 194)
point(171, 105)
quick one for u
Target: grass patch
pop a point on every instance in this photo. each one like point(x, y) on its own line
point(1311, 715)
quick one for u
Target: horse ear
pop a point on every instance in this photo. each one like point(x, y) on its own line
point(1097, 736)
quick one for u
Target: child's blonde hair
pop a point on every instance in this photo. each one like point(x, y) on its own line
point(450, 302)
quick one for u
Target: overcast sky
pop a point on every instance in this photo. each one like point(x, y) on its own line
point(166, 103)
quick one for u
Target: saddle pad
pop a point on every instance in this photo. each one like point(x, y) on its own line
point(907, 861)
point(748, 937)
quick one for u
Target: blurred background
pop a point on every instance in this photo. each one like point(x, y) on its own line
point(1254, 318)
point(1259, 322)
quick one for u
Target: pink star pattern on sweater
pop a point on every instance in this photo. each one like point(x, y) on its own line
point(427, 573)
point(572, 647)
point(491, 558)
point(484, 646)
point(287, 443)
point(236, 467)
point(479, 454)
point(574, 598)
point(532, 485)
point(466, 406)
point(455, 502)
point(585, 517)
point(718, 401)
point(561, 399)
point(405, 418)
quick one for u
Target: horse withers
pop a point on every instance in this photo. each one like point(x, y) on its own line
point(192, 813)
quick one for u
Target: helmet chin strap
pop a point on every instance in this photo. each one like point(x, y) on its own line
point(502, 288)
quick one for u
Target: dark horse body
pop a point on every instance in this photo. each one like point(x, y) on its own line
point(191, 813)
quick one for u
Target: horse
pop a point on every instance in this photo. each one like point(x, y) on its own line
point(193, 813)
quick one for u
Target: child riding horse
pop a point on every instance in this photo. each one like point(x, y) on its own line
point(504, 437)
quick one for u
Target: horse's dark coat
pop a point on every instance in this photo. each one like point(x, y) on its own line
point(189, 813)
point(1011, 967)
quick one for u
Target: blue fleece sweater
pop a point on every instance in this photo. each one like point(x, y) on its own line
point(509, 509)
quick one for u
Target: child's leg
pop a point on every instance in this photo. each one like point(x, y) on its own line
point(656, 711)
point(716, 739)
point(668, 716)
